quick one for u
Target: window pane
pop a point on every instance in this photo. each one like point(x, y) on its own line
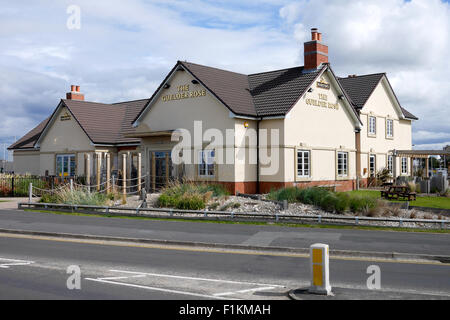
point(72, 166)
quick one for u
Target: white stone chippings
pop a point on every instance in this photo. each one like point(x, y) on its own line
point(271, 208)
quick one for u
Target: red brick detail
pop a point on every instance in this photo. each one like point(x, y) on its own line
point(75, 96)
point(317, 54)
point(316, 46)
point(241, 187)
point(266, 187)
point(346, 185)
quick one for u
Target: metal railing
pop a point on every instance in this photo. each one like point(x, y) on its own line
point(227, 216)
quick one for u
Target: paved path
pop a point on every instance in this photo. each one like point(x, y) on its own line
point(11, 203)
point(339, 239)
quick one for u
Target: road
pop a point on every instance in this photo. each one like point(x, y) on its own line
point(34, 267)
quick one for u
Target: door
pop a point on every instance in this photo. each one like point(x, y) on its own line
point(162, 169)
point(372, 166)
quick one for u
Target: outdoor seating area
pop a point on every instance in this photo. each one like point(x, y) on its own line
point(398, 193)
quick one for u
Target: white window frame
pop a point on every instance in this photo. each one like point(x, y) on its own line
point(390, 164)
point(389, 128)
point(372, 125)
point(305, 173)
point(404, 165)
point(374, 157)
point(207, 167)
point(65, 158)
point(344, 167)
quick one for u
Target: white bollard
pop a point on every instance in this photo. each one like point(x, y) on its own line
point(320, 269)
point(71, 185)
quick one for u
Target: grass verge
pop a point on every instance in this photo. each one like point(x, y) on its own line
point(291, 225)
point(429, 202)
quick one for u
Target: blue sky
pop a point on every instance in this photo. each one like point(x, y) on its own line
point(125, 48)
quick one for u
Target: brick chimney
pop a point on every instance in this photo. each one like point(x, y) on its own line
point(75, 93)
point(316, 52)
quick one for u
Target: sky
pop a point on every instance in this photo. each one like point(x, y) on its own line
point(124, 49)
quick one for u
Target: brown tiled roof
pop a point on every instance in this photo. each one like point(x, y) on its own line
point(28, 141)
point(264, 94)
point(275, 93)
point(229, 87)
point(360, 88)
point(102, 123)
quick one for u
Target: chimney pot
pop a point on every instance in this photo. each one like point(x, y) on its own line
point(314, 34)
point(75, 93)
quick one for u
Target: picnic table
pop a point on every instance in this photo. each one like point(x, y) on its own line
point(398, 192)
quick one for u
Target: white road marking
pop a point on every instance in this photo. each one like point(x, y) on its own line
point(156, 289)
point(198, 279)
point(243, 291)
point(122, 278)
point(13, 262)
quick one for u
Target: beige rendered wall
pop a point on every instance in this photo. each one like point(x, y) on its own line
point(64, 137)
point(26, 162)
point(323, 130)
point(381, 105)
point(181, 114)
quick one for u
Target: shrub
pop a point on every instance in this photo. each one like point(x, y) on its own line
point(189, 196)
point(412, 186)
point(76, 196)
point(214, 206)
point(359, 203)
point(327, 200)
point(191, 202)
point(343, 202)
point(383, 175)
point(289, 194)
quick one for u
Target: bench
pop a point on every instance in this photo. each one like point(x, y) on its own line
point(397, 193)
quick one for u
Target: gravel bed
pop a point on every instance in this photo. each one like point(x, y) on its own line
point(241, 205)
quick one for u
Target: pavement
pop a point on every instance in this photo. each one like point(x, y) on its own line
point(11, 203)
point(436, 244)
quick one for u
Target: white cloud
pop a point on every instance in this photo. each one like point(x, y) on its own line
point(407, 40)
point(125, 49)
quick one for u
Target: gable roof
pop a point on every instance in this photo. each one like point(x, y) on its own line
point(102, 123)
point(28, 141)
point(360, 88)
point(266, 94)
point(275, 93)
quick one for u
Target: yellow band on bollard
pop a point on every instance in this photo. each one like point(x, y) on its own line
point(319, 259)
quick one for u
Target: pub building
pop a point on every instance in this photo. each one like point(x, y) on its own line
point(329, 130)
